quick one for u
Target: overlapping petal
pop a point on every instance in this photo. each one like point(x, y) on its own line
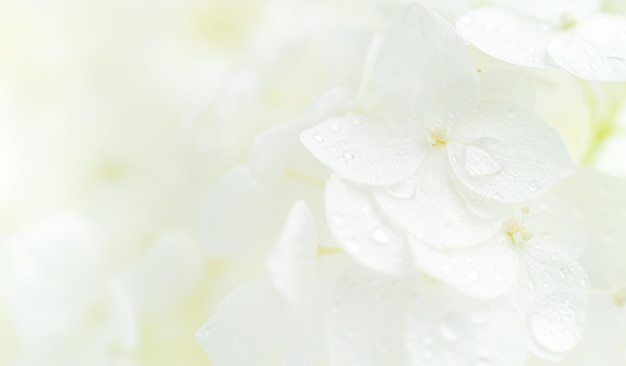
point(596, 50)
point(291, 263)
point(507, 154)
point(364, 150)
point(508, 36)
point(447, 328)
point(246, 327)
point(424, 72)
point(363, 231)
point(434, 210)
point(558, 290)
point(484, 272)
point(367, 319)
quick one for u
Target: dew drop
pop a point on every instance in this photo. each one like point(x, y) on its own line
point(583, 283)
point(466, 20)
point(448, 333)
point(401, 151)
point(348, 155)
point(331, 149)
point(318, 138)
point(533, 187)
point(380, 236)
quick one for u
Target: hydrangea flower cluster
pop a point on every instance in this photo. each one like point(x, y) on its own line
point(313, 183)
point(452, 229)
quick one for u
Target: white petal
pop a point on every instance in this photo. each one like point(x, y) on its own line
point(605, 334)
point(123, 323)
point(508, 154)
point(596, 50)
point(446, 328)
point(586, 60)
point(361, 229)
point(485, 271)
point(364, 150)
point(367, 319)
point(246, 327)
point(425, 71)
point(304, 333)
point(278, 150)
point(551, 11)
point(599, 203)
point(508, 36)
point(506, 83)
point(557, 288)
point(291, 263)
point(436, 212)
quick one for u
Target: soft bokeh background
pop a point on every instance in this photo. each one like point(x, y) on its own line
point(116, 120)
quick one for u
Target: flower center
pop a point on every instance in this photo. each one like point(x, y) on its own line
point(516, 231)
point(568, 21)
point(619, 298)
point(438, 135)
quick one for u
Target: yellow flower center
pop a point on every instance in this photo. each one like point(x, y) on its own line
point(438, 135)
point(568, 21)
point(516, 231)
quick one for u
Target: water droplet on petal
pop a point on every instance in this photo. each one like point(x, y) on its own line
point(583, 283)
point(467, 20)
point(318, 138)
point(380, 236)
point(447, 332)
point(348, 155)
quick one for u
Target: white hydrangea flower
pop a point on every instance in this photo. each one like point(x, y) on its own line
point(600, 203)
point(436, 153)
point(279, 318)
point(531, 259)
point(379, 319)
point(574, 35)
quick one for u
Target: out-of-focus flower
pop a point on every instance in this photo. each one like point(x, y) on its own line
point(573, 35)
